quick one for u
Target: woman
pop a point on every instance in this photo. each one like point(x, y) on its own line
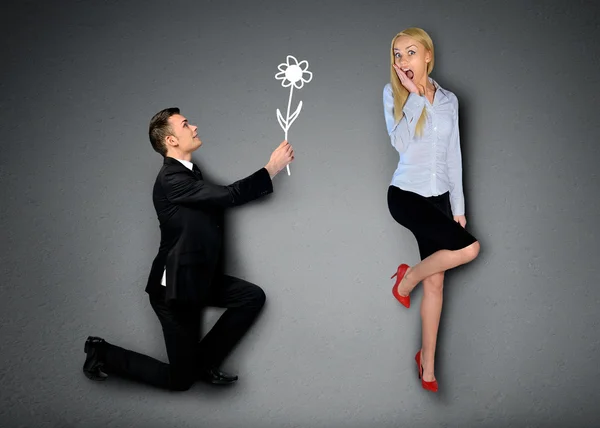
point(426, 192)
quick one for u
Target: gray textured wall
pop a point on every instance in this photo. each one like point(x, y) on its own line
point(519, 338)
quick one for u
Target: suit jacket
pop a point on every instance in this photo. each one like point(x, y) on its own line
point(189, 213)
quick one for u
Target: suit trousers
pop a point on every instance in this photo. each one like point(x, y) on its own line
point(181, 325)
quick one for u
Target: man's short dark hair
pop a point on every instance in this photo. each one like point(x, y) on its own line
point(160, 128)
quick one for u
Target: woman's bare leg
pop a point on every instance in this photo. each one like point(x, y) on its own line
point(440, 261)
point(431, 310)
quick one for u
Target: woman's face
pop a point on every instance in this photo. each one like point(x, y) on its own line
point(412, 58)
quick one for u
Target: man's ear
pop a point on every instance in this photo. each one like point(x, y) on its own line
point(170, 140)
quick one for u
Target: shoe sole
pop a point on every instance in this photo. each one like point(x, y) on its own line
point(218, 382)
point(88, 374)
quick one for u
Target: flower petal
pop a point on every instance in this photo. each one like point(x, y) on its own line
point(305, 67)
point(309, 78)
point(282, 67)
point(285, 83)
point(299, 84)
point(280, 75)
point(291, 60)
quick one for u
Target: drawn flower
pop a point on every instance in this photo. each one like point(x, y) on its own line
point(293, 72)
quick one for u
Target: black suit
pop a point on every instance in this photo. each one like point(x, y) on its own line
point(189, 212)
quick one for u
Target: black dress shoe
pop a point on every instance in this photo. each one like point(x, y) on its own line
point(217, 377)
point(92, 367)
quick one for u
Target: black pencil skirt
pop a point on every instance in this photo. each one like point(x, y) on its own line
point(429, 219)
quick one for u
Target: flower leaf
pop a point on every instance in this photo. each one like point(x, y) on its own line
point(295, 114)
point(281, 120)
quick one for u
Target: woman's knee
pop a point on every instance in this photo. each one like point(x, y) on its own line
point(472, 251)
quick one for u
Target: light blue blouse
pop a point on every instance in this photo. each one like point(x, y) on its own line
point(431, 164)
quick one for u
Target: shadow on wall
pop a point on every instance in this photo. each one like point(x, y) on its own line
point(452, 293)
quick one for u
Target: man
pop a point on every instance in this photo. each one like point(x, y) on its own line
point(185, 275)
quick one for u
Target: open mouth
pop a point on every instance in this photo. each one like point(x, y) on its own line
point(409, 73)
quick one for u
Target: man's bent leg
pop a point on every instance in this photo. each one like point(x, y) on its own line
point(244, 302)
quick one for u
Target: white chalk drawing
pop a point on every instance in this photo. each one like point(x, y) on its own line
point(293, 74)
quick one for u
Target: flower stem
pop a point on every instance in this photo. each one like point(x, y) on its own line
point(287, 118)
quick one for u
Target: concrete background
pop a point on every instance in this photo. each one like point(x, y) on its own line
point(518, 344)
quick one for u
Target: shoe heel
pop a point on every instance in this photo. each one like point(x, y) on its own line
point(400, 273)
point(429, 386)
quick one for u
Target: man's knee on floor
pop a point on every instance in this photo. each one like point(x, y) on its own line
point(181, 382)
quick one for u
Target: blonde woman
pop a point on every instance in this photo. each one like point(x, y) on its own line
point(426, 192)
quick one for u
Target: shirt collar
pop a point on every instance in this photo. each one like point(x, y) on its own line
point(438, 88)
point(187, 164)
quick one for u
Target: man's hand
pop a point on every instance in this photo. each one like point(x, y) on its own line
point(280, 158)
point(461, 219)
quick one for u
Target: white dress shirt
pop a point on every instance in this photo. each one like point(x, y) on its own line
point(190, 166)
point(431, 164)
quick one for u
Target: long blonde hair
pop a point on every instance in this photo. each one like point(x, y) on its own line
point(400, 93)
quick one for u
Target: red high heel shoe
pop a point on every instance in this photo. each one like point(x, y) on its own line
point(429, 386)
point(405, 300)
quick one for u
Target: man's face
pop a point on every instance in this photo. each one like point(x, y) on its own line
point(185, 134)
